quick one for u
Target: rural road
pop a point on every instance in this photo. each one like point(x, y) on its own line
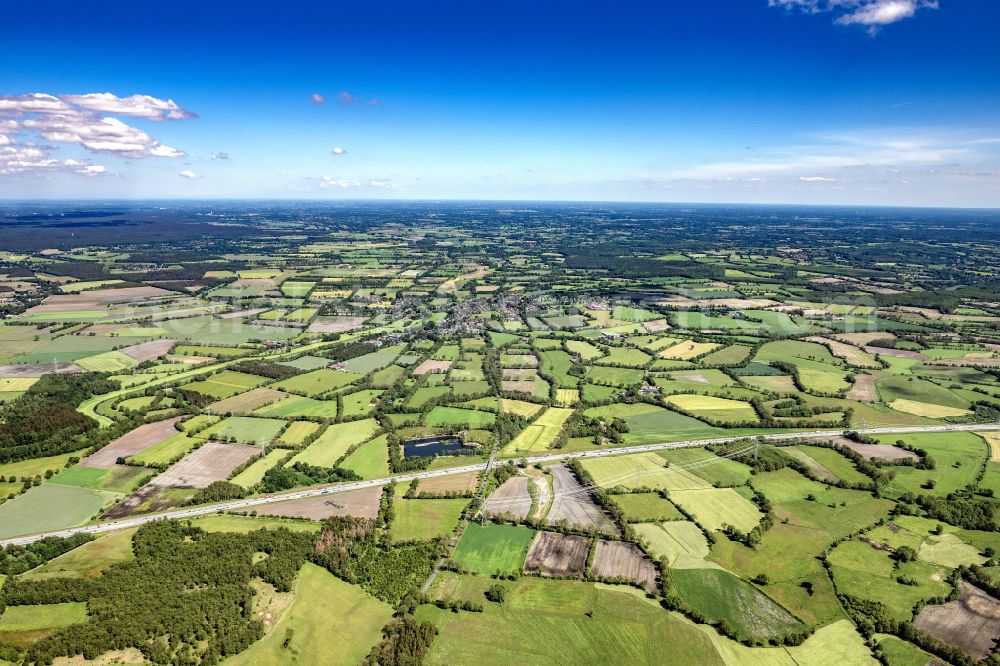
point(204, 509)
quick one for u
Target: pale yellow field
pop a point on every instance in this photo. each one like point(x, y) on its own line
point(17, 383)
point(687, 349)
point(926, 409)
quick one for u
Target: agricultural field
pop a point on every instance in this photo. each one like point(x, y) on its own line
point(493, 548)
point(478, 382)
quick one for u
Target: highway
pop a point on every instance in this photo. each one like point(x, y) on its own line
point(249, 503)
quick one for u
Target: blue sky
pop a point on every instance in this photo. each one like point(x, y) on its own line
point(793, 101)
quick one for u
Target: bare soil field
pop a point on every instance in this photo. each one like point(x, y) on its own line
point(431, 365)
point(898, 353)
point(862, 339)
point(132, 443)
point(863, 389)
point(149, 498)
point(511, 497)
point(96, 299)
point(880, 451)
point(574, 504)
point(465, 482)
point(249, 401)
point(972, 622)
point(553, 554)
point(621, 559)
point(149, 351)
point(656, 326)
point(37, 369)
point(213, 461)
point(362, 503)
point(336, 324)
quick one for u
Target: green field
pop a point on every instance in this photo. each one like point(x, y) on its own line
point(540, 434)
point(370, 460)
point(719, 595)
point(297, 405)
point(646, 507)
point(119, 479)
point(493, 548)
point(297, 432)
point(357, 616)
point(317, 382)
point(253, 474)
point(42, 616)
point(569, 622)
point(714, 508)
point(715, 409)
point(88, 560)
point(423, 519)
point(681, 542)
point(335, 441)
point(225, 384)
point(245, 430)
point(163, 453)
point(649, 424)
point(455, 416)
point(51, 507)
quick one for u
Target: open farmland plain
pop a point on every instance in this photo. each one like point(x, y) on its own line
point(517, 440)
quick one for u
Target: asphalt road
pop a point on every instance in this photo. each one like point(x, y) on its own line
point(248, 504)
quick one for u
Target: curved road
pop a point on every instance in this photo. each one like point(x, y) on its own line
point(204, 509)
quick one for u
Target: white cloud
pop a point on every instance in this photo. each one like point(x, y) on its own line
point(837, 152)
point(346, 97)
point(77, 119)
point(107, 135)
point(139, 106)
point(191, 175)
point(220, 156)
point(316, 98)
point(327, 182)
point(338, 151)
point(17, 159)
point(870, 13)
point(816, 179)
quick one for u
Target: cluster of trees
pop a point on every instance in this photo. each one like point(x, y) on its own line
point(44, 421)
point(601, 430)
point(262, 368)
point(963, 509)
point(351, 549)
point(405, 642)
point(302, 474)
point(186, 598)
point(18, 559)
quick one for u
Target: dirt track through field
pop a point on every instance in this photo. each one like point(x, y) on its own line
point(131, 443)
